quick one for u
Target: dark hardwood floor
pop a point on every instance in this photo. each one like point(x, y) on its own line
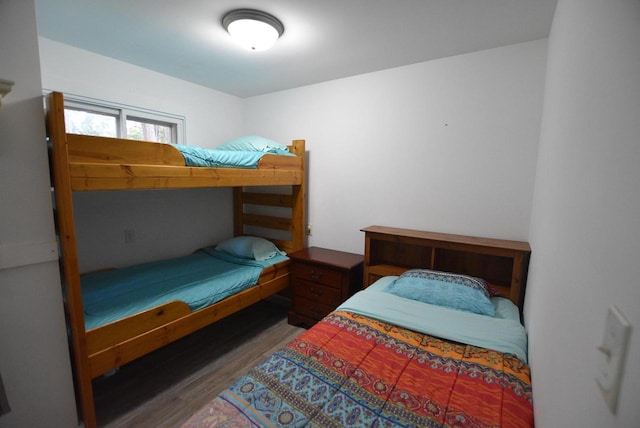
point(167, 386)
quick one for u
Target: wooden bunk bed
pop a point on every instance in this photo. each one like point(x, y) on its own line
point(83, 163)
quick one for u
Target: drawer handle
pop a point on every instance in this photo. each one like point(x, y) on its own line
point(315, 292)
point(315, 276)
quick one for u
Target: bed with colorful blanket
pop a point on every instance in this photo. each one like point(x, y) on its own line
point(387, 358)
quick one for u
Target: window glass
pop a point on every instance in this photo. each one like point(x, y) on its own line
point(95, 117)
point(141, 129)
point(90, 123)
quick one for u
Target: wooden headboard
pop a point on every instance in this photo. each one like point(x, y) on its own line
point(502, 263)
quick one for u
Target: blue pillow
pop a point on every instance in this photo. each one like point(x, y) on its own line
point(455, 291)
point(250, 247)
point(254, 143)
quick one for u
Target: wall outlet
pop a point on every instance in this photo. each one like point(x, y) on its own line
point(309, 230)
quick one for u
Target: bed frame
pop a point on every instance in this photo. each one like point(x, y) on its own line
point(502, 382)
point(82, 163)
point(503, 263)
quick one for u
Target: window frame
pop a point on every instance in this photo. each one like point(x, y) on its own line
point(122, 112)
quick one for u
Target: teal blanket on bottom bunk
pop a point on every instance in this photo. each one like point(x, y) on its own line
point(200, 279)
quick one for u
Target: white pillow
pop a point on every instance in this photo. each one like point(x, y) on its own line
point(250, 247)
point(253, 143)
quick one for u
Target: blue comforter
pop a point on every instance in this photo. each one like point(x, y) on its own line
point(197, 156)
point(200, 279)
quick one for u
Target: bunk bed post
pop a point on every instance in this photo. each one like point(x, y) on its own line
point(299, 200)
point(69, 254)
point(238, 211)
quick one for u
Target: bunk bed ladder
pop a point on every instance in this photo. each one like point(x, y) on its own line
point(295, 200)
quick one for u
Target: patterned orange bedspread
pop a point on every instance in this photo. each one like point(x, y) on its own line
point(350, 370)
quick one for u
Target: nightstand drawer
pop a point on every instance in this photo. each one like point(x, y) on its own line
point(311, 309)
point(316, 274)
point(316, 292)
point(321, 279)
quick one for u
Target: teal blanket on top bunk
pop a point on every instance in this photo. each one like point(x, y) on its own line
point(197, 156)
point(200, 279)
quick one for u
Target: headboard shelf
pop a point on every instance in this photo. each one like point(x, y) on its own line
point(503, 263)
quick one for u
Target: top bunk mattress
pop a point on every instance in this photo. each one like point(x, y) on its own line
point(200, 279)
point(100, 163)
point(105, 163)
point(216, 158)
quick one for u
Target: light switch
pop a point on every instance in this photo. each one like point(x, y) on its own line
point(613, 352)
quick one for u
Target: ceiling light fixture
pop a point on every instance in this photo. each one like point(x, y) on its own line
point(253, 29)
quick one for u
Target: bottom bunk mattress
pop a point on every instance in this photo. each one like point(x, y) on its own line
point(357, 369)
point(200, 279)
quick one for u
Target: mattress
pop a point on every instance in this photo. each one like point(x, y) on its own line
point(355, 369)
point(200, 279)
point(197, 156)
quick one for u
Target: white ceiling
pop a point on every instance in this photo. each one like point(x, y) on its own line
point(323, 39)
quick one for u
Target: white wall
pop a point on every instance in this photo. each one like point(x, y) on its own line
point(447, 145)
point(459, 132)
point(34, 360)
point(450, 145)
point(585, 231)
point(212, 116)
point(166, 223)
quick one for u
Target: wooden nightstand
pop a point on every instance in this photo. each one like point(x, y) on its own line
point(321, 280)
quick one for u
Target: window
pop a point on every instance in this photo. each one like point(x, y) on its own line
point(90, 117)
